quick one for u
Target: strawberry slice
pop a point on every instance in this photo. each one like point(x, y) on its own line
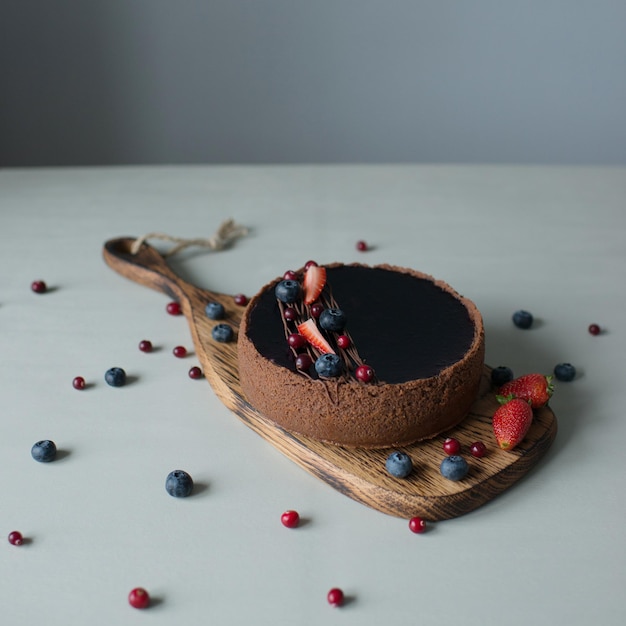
point(314, 281)
point(312, 334)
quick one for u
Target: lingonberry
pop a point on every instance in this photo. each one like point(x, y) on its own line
point(16, 538)
point(478, 449)
point(195, 372)
point(451, 446)
point(594, 329)
point(364, 373)
point(335, 597)
point(317, 309)
point(303, 362)
point(361, 246)
point(417, 525)
point(78, 383)
point(290, 275)
point(308, 264)
point(173, 308)
point(145, 345)
point(38, 286)
point(179, 352)
point(240, 299)
point(290, 519)
point(296, 341)
point(343, 341)
point(139, 598)
point(290, 314)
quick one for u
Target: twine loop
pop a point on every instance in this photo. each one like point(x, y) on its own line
point(228, 232)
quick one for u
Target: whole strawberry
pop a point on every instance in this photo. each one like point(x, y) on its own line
point(511, 422)
point(535, 388)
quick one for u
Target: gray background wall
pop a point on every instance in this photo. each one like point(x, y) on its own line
point(188, 81)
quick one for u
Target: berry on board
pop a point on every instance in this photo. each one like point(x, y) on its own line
point(222, 333)
point(214, 311)
point(536, 388)
point(511, 422)
point(399, 464)
point(454, 467)
point(451, 446)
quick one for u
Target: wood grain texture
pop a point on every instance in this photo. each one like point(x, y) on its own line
point(358, 473)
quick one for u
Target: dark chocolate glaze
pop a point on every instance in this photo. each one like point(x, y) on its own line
point(404, 327)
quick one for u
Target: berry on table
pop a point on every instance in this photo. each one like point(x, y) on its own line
point(16, 538)
point(38, 286)
point(173, 308)
point(78, 383)
point(523, 319)
point(115, 376)
point(399, 464)
point(139, 598)
point(179, 352)
point(451, 446)
point(361, 246)
point(179, 484)
point(417, 525)
point(329, 365)
point(594, 329)
point(240, 299)
point(364, 373)
point(44, 451)
point(145, 345)
point(214, 310)
point(454, 467)
point(222, 333)
point(290, 519)
point(565, 372)
point(478, 449)
point(195, 372)
point(501, 375)
point(335, 597)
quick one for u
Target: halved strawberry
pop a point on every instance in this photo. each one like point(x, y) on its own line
point(313, 335)
point(313, 283)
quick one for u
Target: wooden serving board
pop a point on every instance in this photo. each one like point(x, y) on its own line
point(358, 473)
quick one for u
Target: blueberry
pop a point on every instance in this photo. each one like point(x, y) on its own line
point(44, 451)
point(501, 375)
point(288, 291)
point(329, 365)
point(523, 319)
point(116, 377)
point(222, 333)
point(333, 319)
point(214, 311)
point(454, 467)
point(399, 464)
point(565, 372)
point(179, 484)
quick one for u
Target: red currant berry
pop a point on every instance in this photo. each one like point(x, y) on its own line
point(139, 598)
point(361, 246)
point(179, 352)
point(296, 341)
point(38, 286)
point(303, 362)
point(78, 383)
point(240, 299)
point(290, 519)
point(145, 345)
point(290, 275)
point(451, 446)
point(173, 308)
point(15, 538)
point(364, 373)
point(594, 329)
point(195, 372)
point(335, 597)
point(343, 341)
point(309, 264)
point(317, 309)
point(478, 449)
point(417, 525)
point(290, 314)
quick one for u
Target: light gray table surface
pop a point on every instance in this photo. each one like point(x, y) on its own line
point(550, 550)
